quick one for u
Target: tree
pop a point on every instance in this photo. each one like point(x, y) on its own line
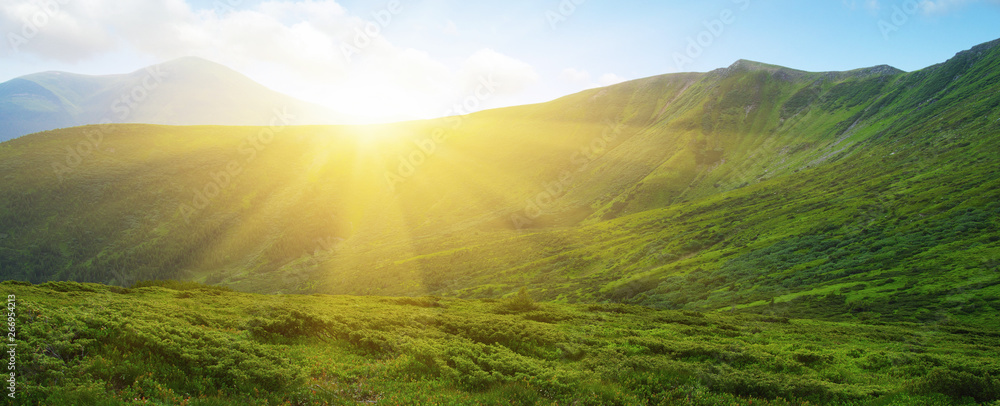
point(521, 302)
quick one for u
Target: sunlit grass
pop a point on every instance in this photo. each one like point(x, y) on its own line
point(202, 345)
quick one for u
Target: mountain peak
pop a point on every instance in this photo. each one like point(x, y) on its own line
point(785, 73)
point(745, 65)
point(970, 56)
point(196, 64)
point(878, 70)
point(190, 60)
point(188, 91)
point(986, 46)
point(979, 51)
point(754, 66)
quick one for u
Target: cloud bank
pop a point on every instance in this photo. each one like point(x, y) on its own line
point(317, 50)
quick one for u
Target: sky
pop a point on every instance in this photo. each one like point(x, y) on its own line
point(385, 60)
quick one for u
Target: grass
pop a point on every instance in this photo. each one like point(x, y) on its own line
point(754, 234)
point(200, 346)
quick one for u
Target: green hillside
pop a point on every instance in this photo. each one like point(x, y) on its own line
point(751, 234)
point(868, 194)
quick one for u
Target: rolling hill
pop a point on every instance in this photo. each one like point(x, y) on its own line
point(185, 91)
point(862, 195)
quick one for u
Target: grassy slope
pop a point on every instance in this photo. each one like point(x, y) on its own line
point(871, 190)
point(197, 345)
point(863, 206)
point(900, 223)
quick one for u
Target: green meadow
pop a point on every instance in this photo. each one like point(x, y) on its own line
point(750, 235)
point(172, 343)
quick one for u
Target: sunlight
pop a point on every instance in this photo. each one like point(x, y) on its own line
point(374, 97)
point(412, 203)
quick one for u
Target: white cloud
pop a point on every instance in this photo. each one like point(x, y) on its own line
point(450, 28)
point(926, 7)
point(609, 79)
point(67, 32)
point(939, 7)
point(574, 75)
point(870, 5)
point(583, 79)
point(294, 47)
point(512, 75)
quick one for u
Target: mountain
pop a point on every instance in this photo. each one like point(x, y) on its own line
point(185, 91)
point(862, 195)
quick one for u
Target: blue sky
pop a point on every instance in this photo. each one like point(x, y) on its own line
point(434, 52)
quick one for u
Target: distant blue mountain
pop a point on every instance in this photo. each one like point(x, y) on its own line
point(185, 91)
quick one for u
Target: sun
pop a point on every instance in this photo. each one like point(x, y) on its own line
point(375, 99)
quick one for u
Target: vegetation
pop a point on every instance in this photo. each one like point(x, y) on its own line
point(92, 344)
point(752, 233)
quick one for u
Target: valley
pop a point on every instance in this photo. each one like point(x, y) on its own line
point(754, 232)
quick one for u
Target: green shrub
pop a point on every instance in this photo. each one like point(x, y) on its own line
point(519, 303)
point(179, 285)
point(545, 315)
point(426, 301)
point(293, 323)
point(958, 385)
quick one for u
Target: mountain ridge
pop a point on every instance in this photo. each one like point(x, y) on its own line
point(845, 197)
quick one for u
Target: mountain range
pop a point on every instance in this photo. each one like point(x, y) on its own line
point(866, 194)
point(185, 91)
